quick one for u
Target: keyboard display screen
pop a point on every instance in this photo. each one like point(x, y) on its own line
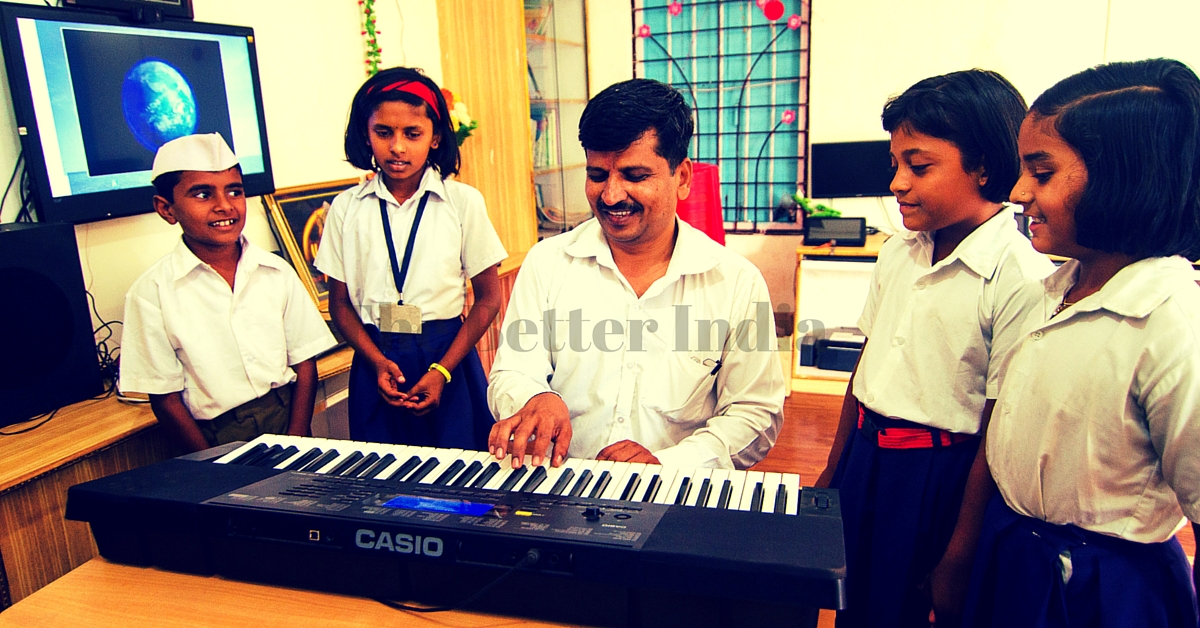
point(432, 504)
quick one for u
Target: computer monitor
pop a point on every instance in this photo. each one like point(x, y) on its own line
point(849, 169)
point(95, 97)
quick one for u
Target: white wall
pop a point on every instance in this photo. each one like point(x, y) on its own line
point(310, 56)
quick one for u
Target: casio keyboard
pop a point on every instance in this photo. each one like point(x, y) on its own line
point(611, 543)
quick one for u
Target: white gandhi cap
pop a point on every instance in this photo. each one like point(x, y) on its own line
point(206, 152)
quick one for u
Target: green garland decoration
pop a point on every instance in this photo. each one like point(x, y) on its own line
point(370, 35)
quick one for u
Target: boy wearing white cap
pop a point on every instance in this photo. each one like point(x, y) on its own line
point(220, 333)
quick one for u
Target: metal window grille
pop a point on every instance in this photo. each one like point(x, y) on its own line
point(741, 72)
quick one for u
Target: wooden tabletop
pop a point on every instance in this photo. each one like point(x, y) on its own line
point(101, 594)
point(89, 426)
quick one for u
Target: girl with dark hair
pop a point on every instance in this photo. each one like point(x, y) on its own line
point(396, 298)
point(1094, 446)
point(941, 320)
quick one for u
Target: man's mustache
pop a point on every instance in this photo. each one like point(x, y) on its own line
point(625, 205)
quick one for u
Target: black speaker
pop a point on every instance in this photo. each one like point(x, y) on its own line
point(839, 231)
point(48, 359)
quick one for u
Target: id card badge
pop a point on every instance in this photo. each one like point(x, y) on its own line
point(399, 319)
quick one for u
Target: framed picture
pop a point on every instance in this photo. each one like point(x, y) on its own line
point(297, 217)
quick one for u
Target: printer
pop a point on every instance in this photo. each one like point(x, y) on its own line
point(834, 349)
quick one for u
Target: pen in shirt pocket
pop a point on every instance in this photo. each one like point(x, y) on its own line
point(715, 364)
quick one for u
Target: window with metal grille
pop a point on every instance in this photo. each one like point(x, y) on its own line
point(746, 75)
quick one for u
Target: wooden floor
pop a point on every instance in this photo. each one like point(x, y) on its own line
point(803, 447)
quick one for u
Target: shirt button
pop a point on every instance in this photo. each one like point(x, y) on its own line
point(920, 285)
point(620, 419)
point(1037, 335)
point(899, 341)
point(629, 365)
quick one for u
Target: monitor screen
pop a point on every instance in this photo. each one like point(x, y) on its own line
point(95, 98)
point(849, 169)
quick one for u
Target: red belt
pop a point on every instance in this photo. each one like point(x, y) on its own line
point(897, 434)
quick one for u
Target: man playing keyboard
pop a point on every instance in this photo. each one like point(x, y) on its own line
point(635, 337)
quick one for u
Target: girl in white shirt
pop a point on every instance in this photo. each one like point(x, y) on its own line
point(398, 298)
point(1095, 442)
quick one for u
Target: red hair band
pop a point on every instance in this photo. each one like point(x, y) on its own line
point(415, 88)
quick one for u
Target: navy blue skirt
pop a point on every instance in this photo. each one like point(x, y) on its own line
point(1032, 573)
point(899, 509)
point(462, 419)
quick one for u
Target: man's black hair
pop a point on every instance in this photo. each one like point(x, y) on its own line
point(622, 113)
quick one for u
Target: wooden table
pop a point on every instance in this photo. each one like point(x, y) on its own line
point(811, 379)
point(103, 594)
point(81, 442)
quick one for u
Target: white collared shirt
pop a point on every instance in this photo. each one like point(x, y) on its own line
point(455, 241)
point(939, 335)
point(185, 330)
point(1098, 422)
point(645, 369)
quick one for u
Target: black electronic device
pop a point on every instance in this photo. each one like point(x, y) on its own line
point(48, 358)
point(837, 231)
point(850, 169)
point(141, 10)
point(95, 96)
point(417, 523)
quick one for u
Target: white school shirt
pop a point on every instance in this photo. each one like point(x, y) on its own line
point(455, 241)
point(1098, 422)
point(640, 368)
point(939, 335)
point(185, 330)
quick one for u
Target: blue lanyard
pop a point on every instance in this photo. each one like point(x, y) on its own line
point(400, 273)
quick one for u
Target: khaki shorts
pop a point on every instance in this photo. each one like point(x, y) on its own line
point(269, 414)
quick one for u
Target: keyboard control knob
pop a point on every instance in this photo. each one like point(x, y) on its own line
point(593, 513)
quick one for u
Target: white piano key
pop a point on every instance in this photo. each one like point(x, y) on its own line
point(445, 457)
point(552, 475)
point(506, 469)
point(616, 483)
point(264, 439)
point(698, 477)
point(422, 453)
point(737, 479)
point(753, 479)
point(597, 471)
point(771, 483)
point(792, 482)
point(647, 476)
point(716, 480)
point(580, 467)
point(635, 468)
point(468, 457)
point(670, 490)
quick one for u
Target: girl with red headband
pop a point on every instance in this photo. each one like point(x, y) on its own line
point(398, 298)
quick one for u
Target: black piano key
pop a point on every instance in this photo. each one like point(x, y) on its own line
point(344, 466)
point(308, 457)
point(378, 467)
point(513, 478)
point(252, 454)
point(584, 478)
point(781, 500)
point(702, 496)
point(322, 460)
point(424, 470)
point(405, 469)
point(726, 492)
point(535, 480)
point(491, 470)
point(563, 482)
point(685, 487)
point(284, 454)
point(362, 465)
point(466, 476)
point(256, 460)
point(652, 489)
point(756, 500)
point(601, 484)
point(630, 487)
point(449, 473)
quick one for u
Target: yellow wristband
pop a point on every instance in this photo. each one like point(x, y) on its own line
point(441, 369)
